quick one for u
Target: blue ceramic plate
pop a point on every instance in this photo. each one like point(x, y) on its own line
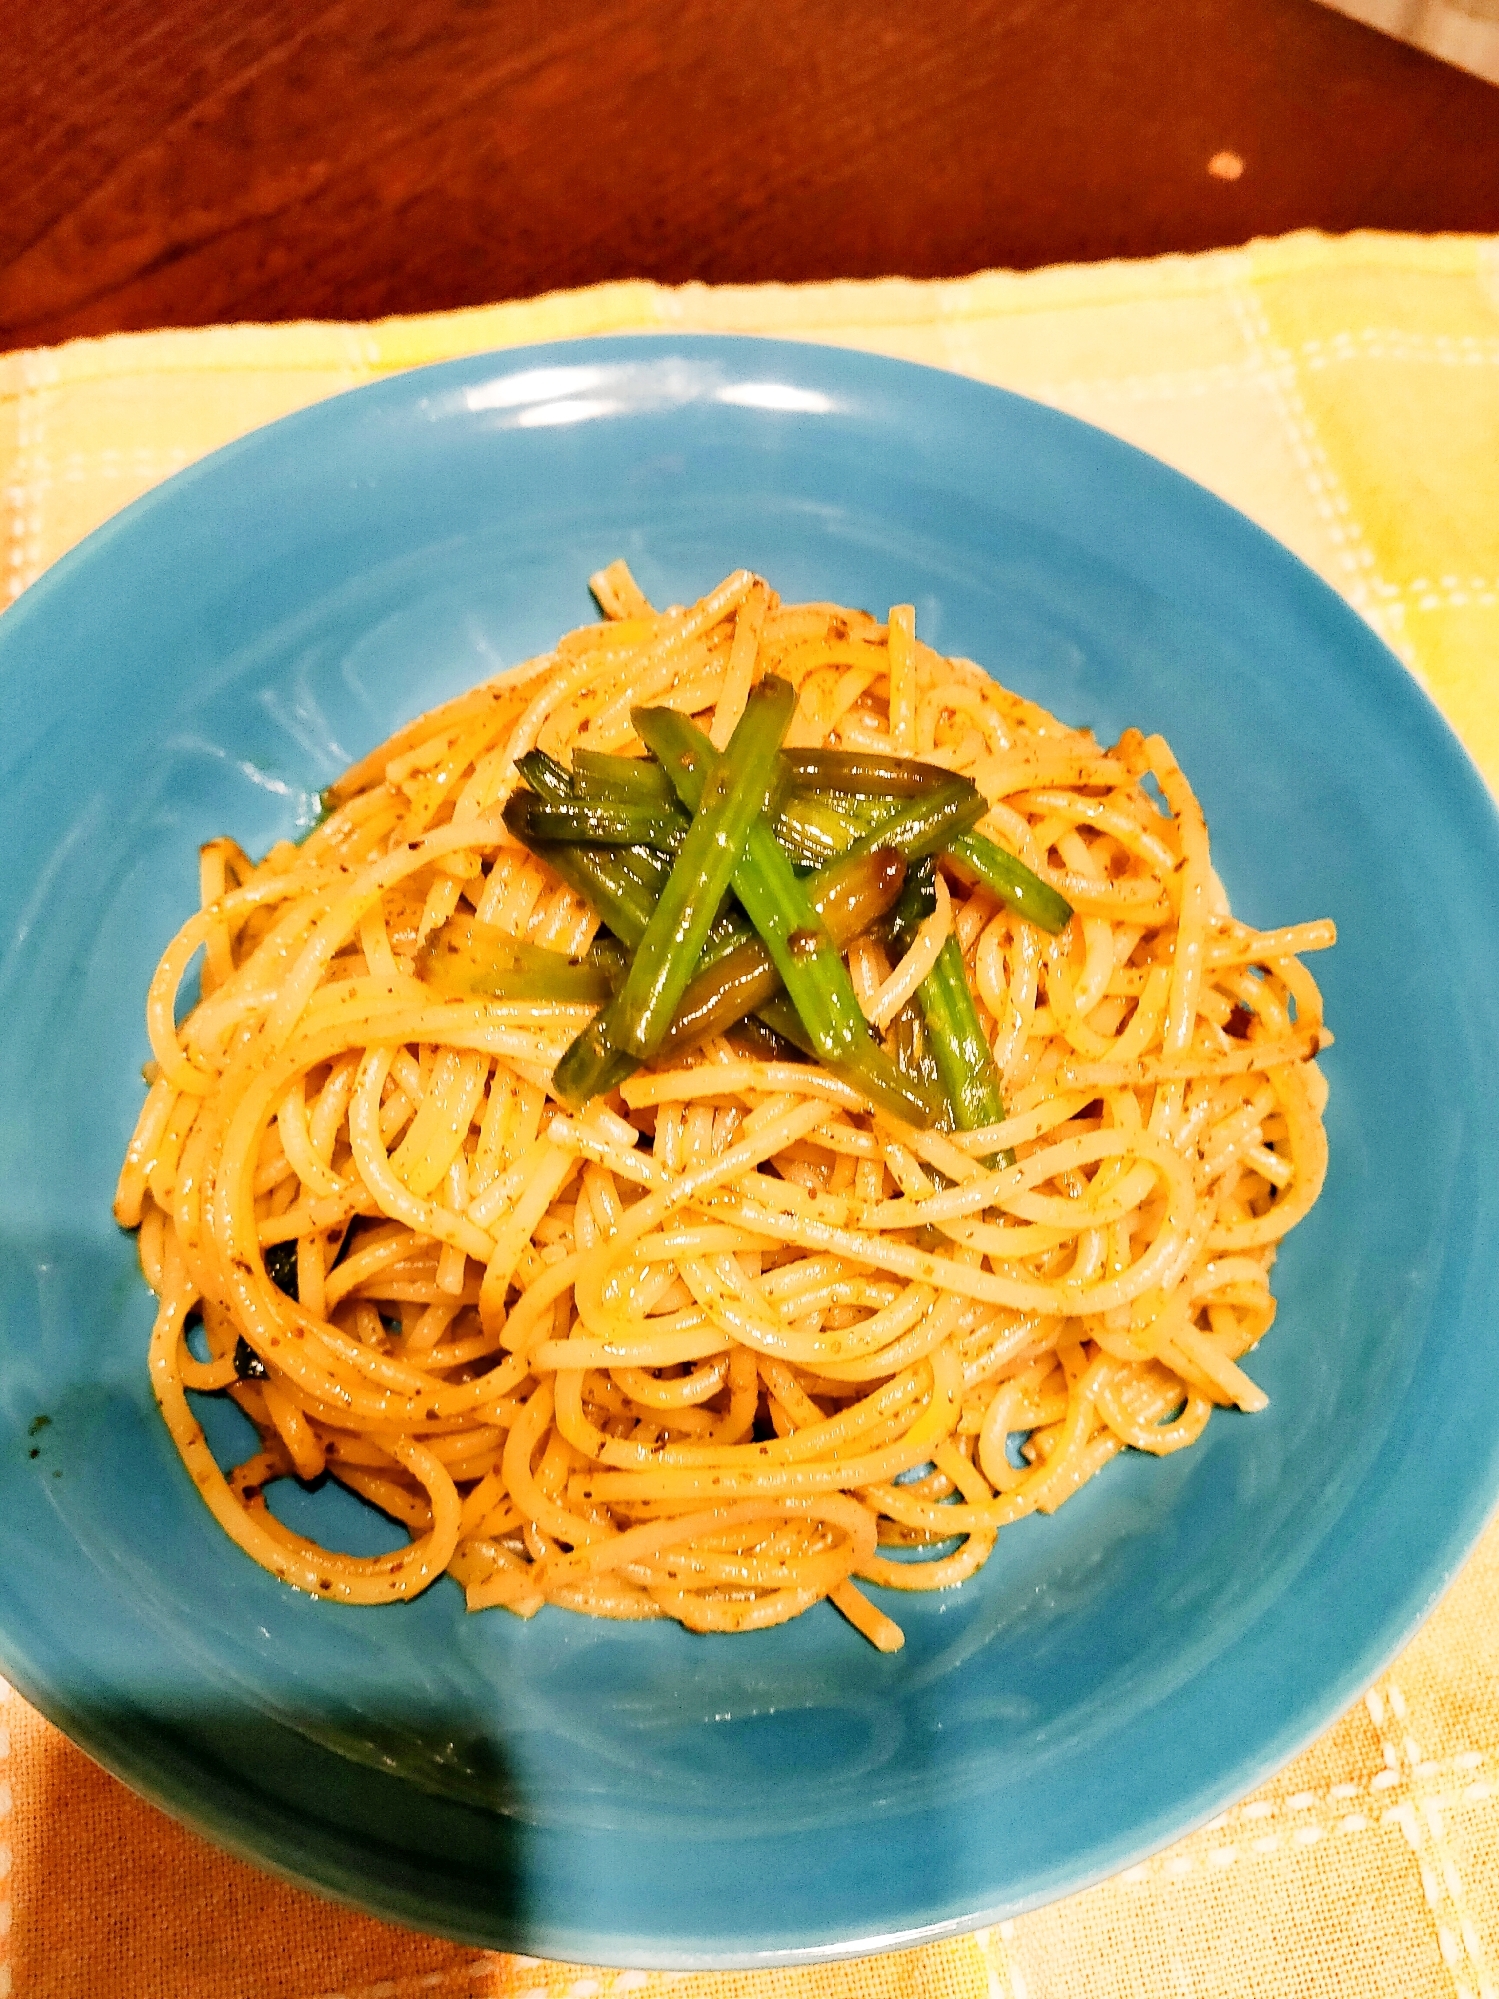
point(633, 1794)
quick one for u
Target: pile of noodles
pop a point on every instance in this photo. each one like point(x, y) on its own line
point(729, 1339)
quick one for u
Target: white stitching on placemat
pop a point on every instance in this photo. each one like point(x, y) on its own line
point(1270, 365)
point(1267, 370)
point(475, 1976)
point(1394, 343)
point(1422, 1818)
point(418, 1981)
point(1001, 1975)
point(1423, 1781)
point(1160, 385)
point(1328, 498)
point(1451, 592)
point(144, 465)
point(1379, 601)
point(466, 1977)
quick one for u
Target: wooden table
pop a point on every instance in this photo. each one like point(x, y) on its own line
point(176, 162)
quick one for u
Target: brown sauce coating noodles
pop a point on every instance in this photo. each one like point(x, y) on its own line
point(732, 1340)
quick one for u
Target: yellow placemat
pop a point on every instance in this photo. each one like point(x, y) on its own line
point(1346, 395)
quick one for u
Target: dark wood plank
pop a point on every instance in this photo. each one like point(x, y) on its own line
point(177, 162)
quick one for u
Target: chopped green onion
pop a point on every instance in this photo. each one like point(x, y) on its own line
point(814, 830)
point(928, 824)
point(815, 827)
point(777, 903)
point(610, 822)
point(735, 792)
point(864, 773)
point(599, 825)
point(847, 896)
point(591, 1066)
point(632, 780)
point(756, 1038)
point(911, 1050)
point(546, 777)
point(956, 1039)
point(1013, 882)
point(471, 960)
point(608, 879)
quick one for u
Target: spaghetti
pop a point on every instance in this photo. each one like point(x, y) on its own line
point(736, 1333)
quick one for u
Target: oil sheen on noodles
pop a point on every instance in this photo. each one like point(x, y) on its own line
point(733, 1337)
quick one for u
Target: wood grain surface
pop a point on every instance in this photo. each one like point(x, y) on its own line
point(178, 162)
